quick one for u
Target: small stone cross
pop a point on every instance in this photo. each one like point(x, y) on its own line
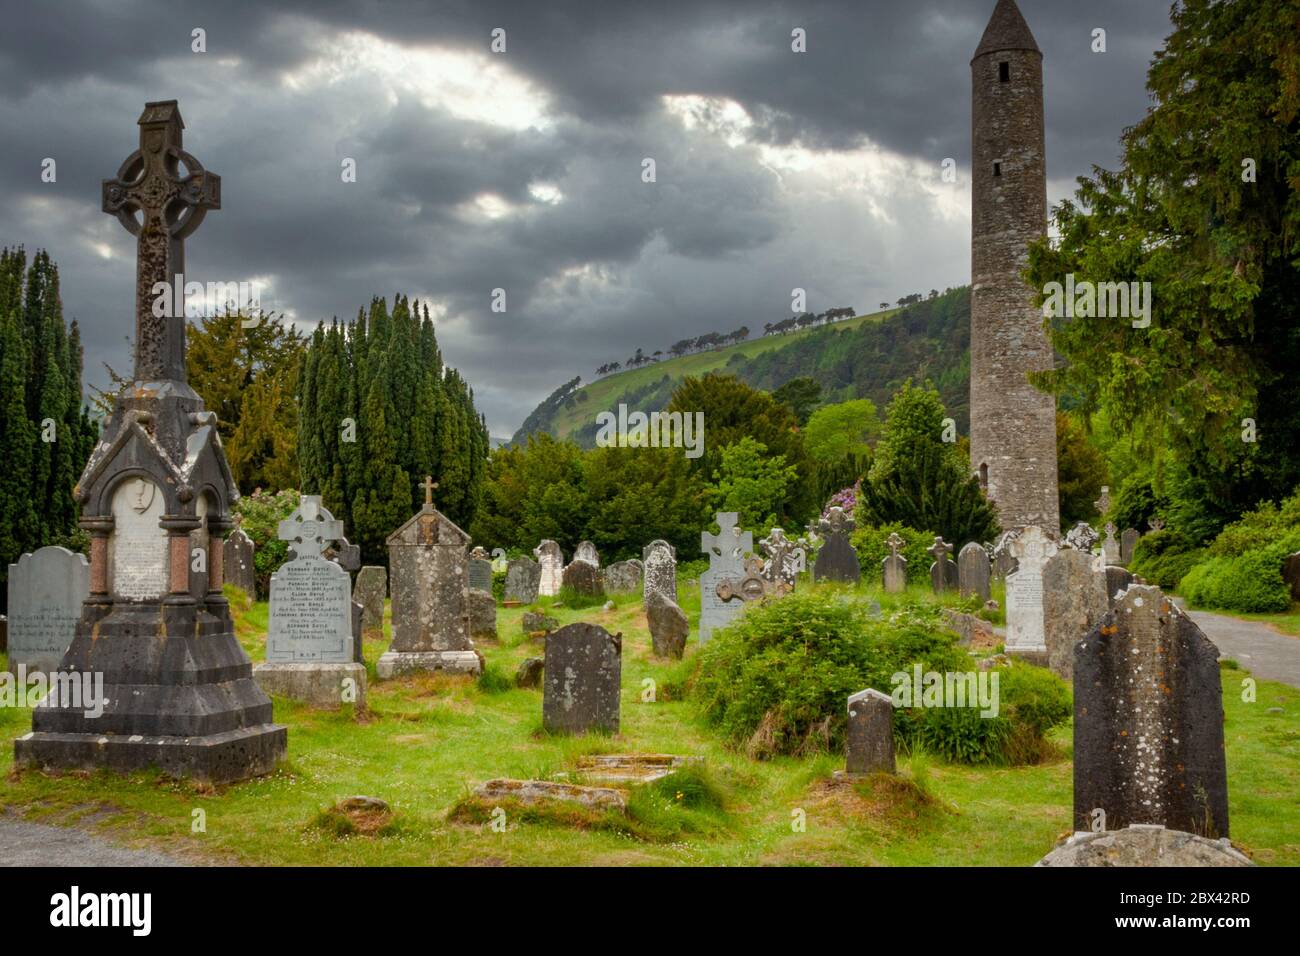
point(310, 529)
point(895, 542)
point(939, 550)
point(429, 486)
point(731, 541)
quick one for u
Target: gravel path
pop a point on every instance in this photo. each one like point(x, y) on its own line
point(36, 844)
point(1257, 647)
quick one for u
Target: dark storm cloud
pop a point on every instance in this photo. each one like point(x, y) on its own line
point(616, 264)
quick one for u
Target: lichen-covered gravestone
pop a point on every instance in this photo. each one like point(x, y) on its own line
point(1148, 721)
point(523, 576)
point(482, 615)
point(726, 551)
point(1026, 634)
point(581, 680)
point(943, 572)
point(869, 746)
point(1117, 579)
point(583, 578)
point(586, 551)
point(46, 591)
point(1074, 600)
point(669, 626)
point(894, 567)
point(431, 630)
point(480, 570)
point(659, 561)
point(372, 588)
point(239, 567)
point(836, 558)
point(551, 559)
point(310, 646)
point(623, 577)
point(785, 558)
point(974, 573)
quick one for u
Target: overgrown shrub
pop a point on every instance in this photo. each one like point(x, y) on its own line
point(1163, 557)
point(260, 515)
point(1251, 582)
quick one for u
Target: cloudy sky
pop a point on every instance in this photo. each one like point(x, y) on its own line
point(521, 170)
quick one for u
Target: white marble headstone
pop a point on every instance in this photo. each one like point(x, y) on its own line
point(1026, 632)
point(138, 552)
point(46, 590)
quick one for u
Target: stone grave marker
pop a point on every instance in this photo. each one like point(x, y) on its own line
point(974, 572)
point(1026, 634)
point(238, 566)
point(1117, 579)
point(482, 615)
point(480, 571)
point(1110, 548)
point(1074, 600)
point(583, 577)
point(551, 559)
point(836, 558)
point(581, 680)
point(785, 559)
point(869, 747)
point(669, 626)
point(726, 551)
point(1127, 542)
point(1102, 504)
point(659, 560)
point(431, 626)
point(623, 577)
point(1004, 561)
point(943, 572)
point(586, 551)
point(372, 588)
point(46, 590)
point(894, 567)
point(1148, 721)
point(523, 577)
point(1082, 537)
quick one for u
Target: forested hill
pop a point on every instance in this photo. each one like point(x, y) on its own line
point(865, 357)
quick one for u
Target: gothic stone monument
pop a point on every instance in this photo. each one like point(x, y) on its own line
point(1026, 630)
point(726, 552)
point(581, 680)
point(659, 561)
point(836, 559)
point(238, 562)
point(431, 627)
point(46, 591)
point(310, 651)
point(551, 559)
point(155, 497)
point(1148, 721)
point(1013, 424)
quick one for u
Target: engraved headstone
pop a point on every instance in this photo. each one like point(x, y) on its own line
point(371, 589)
point(726, 551)
point(138, 547)
point(659, 560)
point(1110, 547)
point(974, 572)
point(523, 575)
point(583, 577)
point(480, 570)
point(239, 567)
point(943, 572)
point(586, 551)
point(623, 577)
point(894, 567)
point(1074, 600)
point(669, 626)
point(551, 559)
point(46, 591)
point(869, 747)
point(1148, 721)
point(1127, 542)
point(581, 680)
point(836, 558)
point(1025, 627)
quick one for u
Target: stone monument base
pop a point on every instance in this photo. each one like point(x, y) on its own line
point(216, 758)
point(314, 683)
point(396, 663)
point(1033, 655)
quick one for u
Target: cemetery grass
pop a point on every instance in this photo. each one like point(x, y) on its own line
point(428, 741)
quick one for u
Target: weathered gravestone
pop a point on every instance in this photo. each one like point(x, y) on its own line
point(482, 615)
point(623, 577)
point(238, 566)
point(1117, 579)
point(1143, 844)
point(46, 591)
point(1082, 537)
point(430, 597)
point(523, 576)
point(372, 588)
point(1291, 574)
point(1026, 631)
point(836, 559)
point(179, 690)
point(1127, 542)
point(1004, 561)
point(551, 559)
point(943, 572)
point(1110, 549)
point(785, 558)
point(659, 560)
point(726, 551)
point(894, 567)
point(310, 643)
point(1102, 504)
point(583, 578)
point(480, 571)
point(586, 551)
point(974, 573)
point(869, 746)
point(1148, 721)
point(581, 680)
point(1074, 600)
point(669, 626)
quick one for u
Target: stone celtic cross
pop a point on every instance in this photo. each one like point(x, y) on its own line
point(731, 541)
point(161, 194)
point(310, 529)
point(940, 549)
point(895, 541)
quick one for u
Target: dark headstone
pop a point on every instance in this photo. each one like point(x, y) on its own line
point(523, 575)
point(836, 559)
point(534, 622)
point(482, 615)
point(669, 626)
point(584, 578)
point(237, 562)
point(480, 571)
point(1117, 579)
point(582, 680)
point(974, 571)
point(1074, 600)
point(1148, 721)
point(943, 572)
point(1291, 574)
point(371, 589)
point(1127, 542)
point(870, 744)
point(623, 577)
point(530, 672)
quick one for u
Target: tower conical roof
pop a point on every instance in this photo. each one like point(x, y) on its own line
point(1007, 30)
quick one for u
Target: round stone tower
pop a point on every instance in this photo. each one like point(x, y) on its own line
point(1013, 424)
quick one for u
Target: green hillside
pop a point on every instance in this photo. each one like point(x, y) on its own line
point(867, 356)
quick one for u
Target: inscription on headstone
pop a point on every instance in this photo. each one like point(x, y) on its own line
point(581, 680)
point(46, 591)
point(310, 617)
point(726, 551)
point(1025, 627)
point(659, 559)
point(138, 548)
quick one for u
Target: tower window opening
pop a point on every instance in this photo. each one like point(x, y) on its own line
point(984, 475)
point(997, 169)
point(1004, 72)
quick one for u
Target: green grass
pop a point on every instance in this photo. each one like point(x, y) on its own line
point(429, 740)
